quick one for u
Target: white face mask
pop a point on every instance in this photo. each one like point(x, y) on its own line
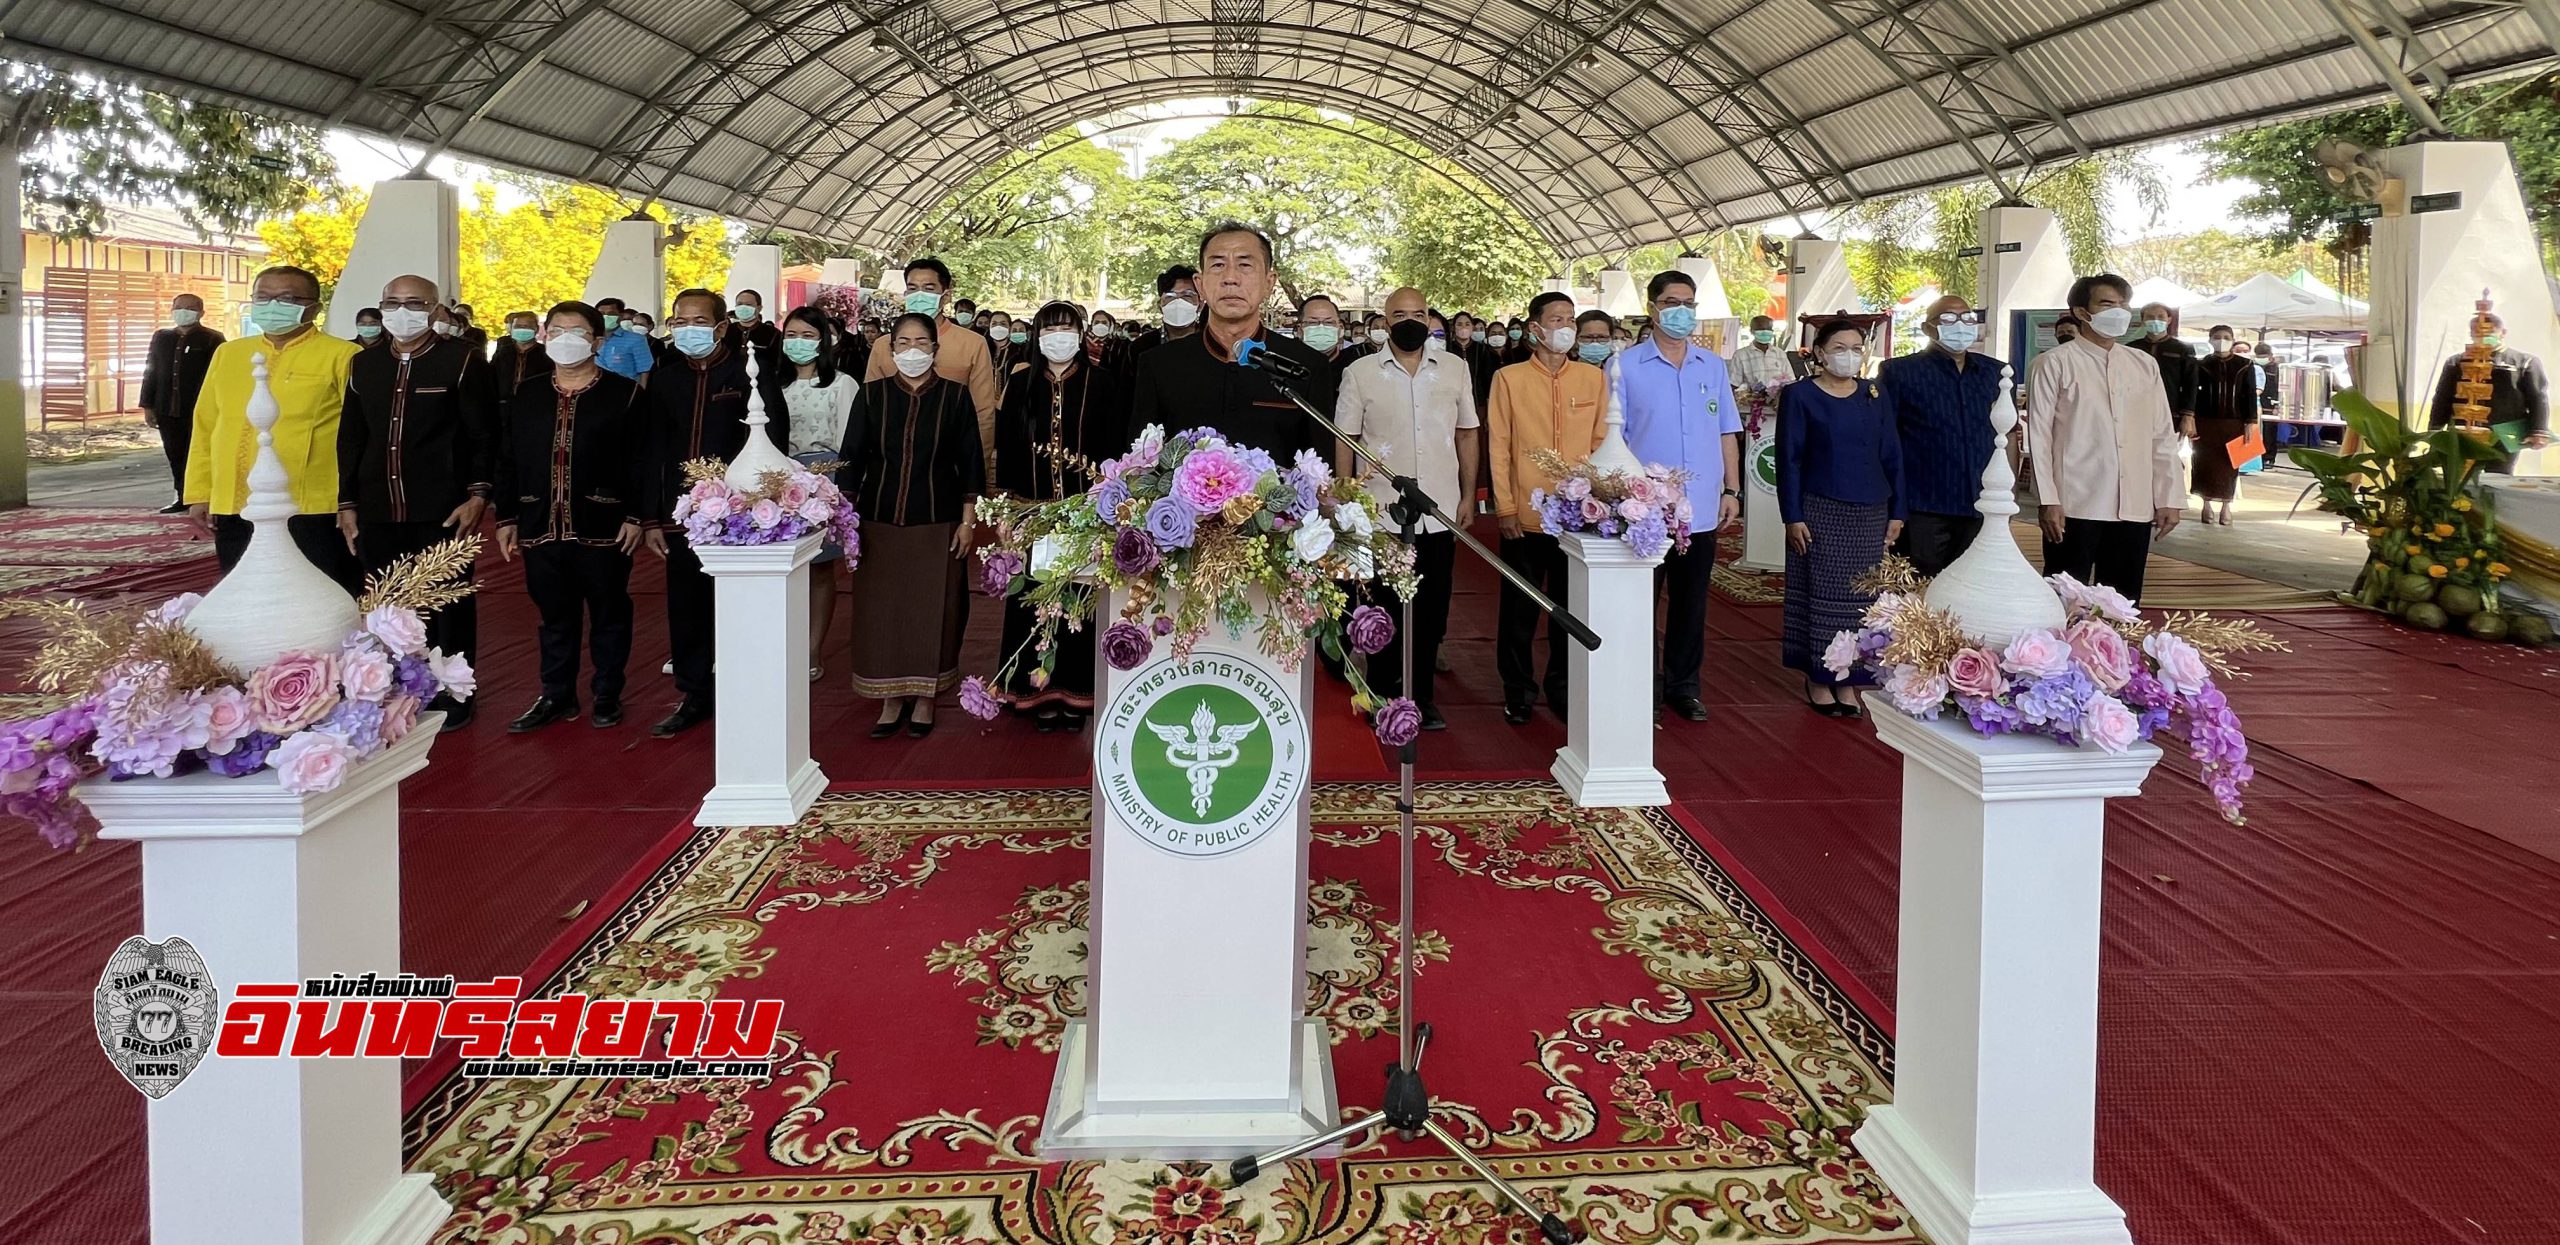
point(569, 349)
point(1059, 345)
point(1959, 337)
point(1843, 363)
point(1561, 340)
point(1100, 330)
point(1377, 337)
point(2222, 345)
point(183, 316)
point(2113, 321)
point(1181, 313)
point(914, 363)
point(403, 323)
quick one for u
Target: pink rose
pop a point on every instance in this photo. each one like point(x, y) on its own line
point(226, 719)
point(2037, 655)
point(814, 511)
point(2078, 597)
point(293, 692)
point(764, 513)
point(366, 673)
point(1914, 695)
point(1975, 672)
point(311, 761)
point(1841, 655)
point(715, 506)
point(1634, 510)
point(176, 609)
point(399, 717)
point(400, 629)
point(2177, 663)
point(2102, 652)
point(793, 496)
point(1594, 510)
point(2105, 721)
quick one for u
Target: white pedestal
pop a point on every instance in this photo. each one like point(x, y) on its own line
point(1198, 1044)
point(271, 887)
point(1991, 1134)
point(1607, 758)
point(762, 773)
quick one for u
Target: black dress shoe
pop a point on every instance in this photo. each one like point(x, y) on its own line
point(543, 712)
point(1689, 707)
point(1432, 721)
point(688, 714)
point(1516, 712)
point(608, 712)
point(457, 717)
point(883, 730)
point(918, 730)
point(1555, 699)
point(175, 507)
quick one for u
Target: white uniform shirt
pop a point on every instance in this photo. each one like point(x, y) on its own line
point(2105, 445)
point(1767, 368)
point(1411, 421)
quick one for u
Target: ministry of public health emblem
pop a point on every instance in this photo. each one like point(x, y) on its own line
point(1205, 756)
point(1764, 459)
point(155, 1012)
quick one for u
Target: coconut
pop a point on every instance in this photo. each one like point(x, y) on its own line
point(2487, 625)
point(2426, 615)
point(2528, 628)
point(2459, 601)
point(2415, 588)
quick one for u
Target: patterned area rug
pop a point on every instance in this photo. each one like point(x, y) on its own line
point(1742, 585)
point(1620, 1028)
point(94, 539)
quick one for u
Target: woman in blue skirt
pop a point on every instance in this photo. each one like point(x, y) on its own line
point(1840, 492)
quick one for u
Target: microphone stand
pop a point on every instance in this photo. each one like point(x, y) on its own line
point(1406, 1107)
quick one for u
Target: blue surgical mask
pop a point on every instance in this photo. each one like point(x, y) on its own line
point(368, 331)
point(1020, 337)
point(611, 322)
point(271, 316)
point(964, 318)
point(2155, 328)
point(800, 349)
point(1594, 353)
point(1679, 322)
point(1959, 337)
point(695, 340)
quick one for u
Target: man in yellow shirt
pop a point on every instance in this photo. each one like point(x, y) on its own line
point(307, 372)
point(1550, 402)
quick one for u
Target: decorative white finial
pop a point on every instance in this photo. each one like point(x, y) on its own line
point(274, 601)
point(1992, 590)
point(1613, 454)
point(759, 455)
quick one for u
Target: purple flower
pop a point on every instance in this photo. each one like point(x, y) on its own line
point(1126, 644)
point(1107, 497)
point(1398, 721)
point(1164, 624)
point(1306, 489)
point(2054, 703)
point(1989, 717)
point(248, 758)
point(415, 677)
point(1133, 554)
point(359, 723)
point(1172, 522)
point(17, 747)
point(1371, 630)
point(976, 700)
point(996, 573)
point(1649, 535)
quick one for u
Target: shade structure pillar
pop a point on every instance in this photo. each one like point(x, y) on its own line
point(842, 272)
point(758, 266)
point(1619, 294)
point(13, 320)
point(1557, 285)
point(2025, 264)
point(272, 887)
point(631, 266)
point(1607, 759)
point(762, 774)
point(2430, 267)
point(1990, 1138)
point(1818, 280)
point(412, 226)
point(1184, 1054)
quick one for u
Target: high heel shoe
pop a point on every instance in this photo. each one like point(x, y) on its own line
point(1829, 710)
point(883, 730)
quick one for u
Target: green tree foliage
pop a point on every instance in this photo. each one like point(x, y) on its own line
point(84, 143)
point(1904, 242)
point(2209, 261)
point(1026, 227)
point(1319, 192)
point(2300, 207)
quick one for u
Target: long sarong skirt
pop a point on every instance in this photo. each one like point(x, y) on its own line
point(1848, 541)
point(906, 611)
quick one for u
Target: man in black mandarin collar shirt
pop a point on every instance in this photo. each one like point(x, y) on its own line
point(1194, 382)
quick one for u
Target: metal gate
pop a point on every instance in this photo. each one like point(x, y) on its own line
point(96, 338)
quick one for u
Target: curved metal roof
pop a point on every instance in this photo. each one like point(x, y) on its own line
point(1607, 123)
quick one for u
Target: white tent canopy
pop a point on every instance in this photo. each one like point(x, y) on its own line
point(2163, 291)
point(2266, 301)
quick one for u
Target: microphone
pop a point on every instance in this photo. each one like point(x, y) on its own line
point(1262, 358)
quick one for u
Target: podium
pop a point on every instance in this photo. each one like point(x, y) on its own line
point(762, 774)
point(1197, 1043)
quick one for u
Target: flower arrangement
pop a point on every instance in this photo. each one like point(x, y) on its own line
point(2107, 677)
point(1187, 526)
point(783, 507)
point(150, 699)
point(1650, 512)
point(2433, 555)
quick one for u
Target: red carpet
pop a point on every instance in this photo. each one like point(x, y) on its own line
point(1620, 1027)
point(2324, 1028)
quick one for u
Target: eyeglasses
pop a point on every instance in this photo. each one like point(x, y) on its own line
point(1959, 317)
point(290, 300)
point(410, 304)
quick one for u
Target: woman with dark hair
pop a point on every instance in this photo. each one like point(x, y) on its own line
point(2226, 408)
point(571, 473)
point(1840, 493)
point(914, 467)
point(824, 403)
point(1061, 415)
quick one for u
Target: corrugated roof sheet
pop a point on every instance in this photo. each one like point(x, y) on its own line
point(1630, 157)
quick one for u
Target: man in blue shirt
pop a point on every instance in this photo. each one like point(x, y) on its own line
point(1679, 410)
point(1941, 400)
point(624, 351)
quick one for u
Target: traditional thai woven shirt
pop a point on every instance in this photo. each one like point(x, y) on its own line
point(2100, 433)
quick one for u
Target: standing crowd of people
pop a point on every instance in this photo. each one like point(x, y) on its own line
point(567, 436)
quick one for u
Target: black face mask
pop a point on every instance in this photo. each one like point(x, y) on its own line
point(1408, 335)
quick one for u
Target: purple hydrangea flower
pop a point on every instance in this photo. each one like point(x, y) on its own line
point(1398, 721)
point(1370, 630)
point(357, 722)
point(1990, 717)
point(248, 757)
point(1126, 645)
point(2054, 703)
point(414, 677)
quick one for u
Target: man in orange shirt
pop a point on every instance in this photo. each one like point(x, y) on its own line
point(962, 357)
point(1550, 402)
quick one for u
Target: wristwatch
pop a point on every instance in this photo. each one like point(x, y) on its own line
point(1733, 492)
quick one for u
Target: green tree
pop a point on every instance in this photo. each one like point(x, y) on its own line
point(1025, 227)
point(84, 142)
point(317, 238)
point(1320, 193)
point(1916, 239)
point(2209, 261)
point(1448, 243)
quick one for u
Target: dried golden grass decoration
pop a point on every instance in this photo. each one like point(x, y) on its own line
point(1894, 574)
point(191, 666)
point(81, 641)
point(2216, 638)
point(697, 470)
point(425, 581)
point(1923, 636)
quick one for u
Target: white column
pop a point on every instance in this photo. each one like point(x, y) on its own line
point(1764, 529)
point(758, 266)
point(1619, 293)
point(1556, 285)
point(412, 226)
point(1991, 1134)
point(841, 271)
point(13, 326)
point(2430, 267)
point(632, 266)
point(1712, 303)
point(1817, 281)
point(2025, 265)
point(271, 887)
point(762, 774)
point(1607, 759)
